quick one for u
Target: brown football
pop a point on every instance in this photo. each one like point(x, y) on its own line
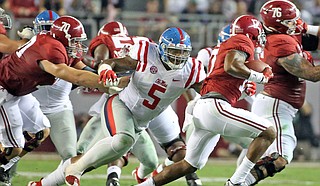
point(256, 65)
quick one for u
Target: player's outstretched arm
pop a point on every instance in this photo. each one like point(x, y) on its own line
point(121, 64)
point(75, 76)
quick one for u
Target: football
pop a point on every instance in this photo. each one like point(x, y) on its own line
point(256, 65)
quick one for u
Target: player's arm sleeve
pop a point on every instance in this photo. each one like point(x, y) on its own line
point(310, 42)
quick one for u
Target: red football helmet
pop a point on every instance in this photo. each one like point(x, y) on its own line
point(70, 32)
point(251, 27)
point(113, 28)
point(280, 16)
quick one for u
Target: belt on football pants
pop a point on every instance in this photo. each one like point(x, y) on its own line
point(214, 95)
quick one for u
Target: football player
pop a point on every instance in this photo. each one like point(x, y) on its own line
point(162, 73)
point(38, 62)
point(281, 100)
point(213, 113)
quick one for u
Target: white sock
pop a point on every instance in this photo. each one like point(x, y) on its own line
point(10, 163)
point(160, 168)
point(148, 182)
point(242, 171)
point(114, 169)
point(57, 176)
point(250, 179)
point(168, 162)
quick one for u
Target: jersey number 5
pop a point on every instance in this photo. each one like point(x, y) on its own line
point(151, 93)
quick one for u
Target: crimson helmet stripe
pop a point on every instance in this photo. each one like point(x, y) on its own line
point(121, 27)
point(50, 15)
point(181, 35)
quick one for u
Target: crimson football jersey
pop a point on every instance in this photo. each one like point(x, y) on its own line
point(220, 81)
point(283, 85)
point(20, 72)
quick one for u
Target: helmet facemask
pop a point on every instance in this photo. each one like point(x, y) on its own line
point(176, 56)
point(76, 48)
point(5, 19)
point(42, 25)
point(292, 24)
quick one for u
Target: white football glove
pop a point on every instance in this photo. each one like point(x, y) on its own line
point(26, 33)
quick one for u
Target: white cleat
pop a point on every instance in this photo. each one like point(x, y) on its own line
point(229, 183)
point(72, 177)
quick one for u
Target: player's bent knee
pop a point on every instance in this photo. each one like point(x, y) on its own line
point(269, 134)
point(122, 142)
point(176, 151)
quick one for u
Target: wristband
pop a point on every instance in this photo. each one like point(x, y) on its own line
point(312, 30)
point(104, 67)
point(255, 76)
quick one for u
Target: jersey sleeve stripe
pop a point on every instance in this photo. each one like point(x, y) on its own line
point(209, 51)
point(191, 74)
point(199, 71)
point(145, 56)
point(139, 51)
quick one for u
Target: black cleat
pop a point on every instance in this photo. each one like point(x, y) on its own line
point(113, 182)
point(4, 178)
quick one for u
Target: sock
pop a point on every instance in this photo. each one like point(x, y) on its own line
point(113, 171)
point(168, 162)
point(159, 168)
point(10, 163)
point(57, 176)
point(250, 179)
point(242, 171)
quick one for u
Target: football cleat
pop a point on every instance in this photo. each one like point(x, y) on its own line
point(229, 183)
point(193, 180)
point(4, 178)
point(113, 182)
point(136, 177)
point(35, 183)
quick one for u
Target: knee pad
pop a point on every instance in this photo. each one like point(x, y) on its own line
point(266, 167)
point(32, 142)
point(174, 146)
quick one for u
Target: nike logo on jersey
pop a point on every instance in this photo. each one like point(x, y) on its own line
point(175, 79)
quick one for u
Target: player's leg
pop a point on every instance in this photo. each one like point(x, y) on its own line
point(200, 145)
point(120, 124)
point(166, 130)
point(92, 130)
point(63, 133)
point(146, 153)
point(280, 152)
point(11, 137)
point(229, 121)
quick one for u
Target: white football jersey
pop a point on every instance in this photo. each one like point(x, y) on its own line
point(54, 98)
point(152, 88)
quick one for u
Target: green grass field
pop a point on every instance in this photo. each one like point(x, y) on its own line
point(215, 173)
